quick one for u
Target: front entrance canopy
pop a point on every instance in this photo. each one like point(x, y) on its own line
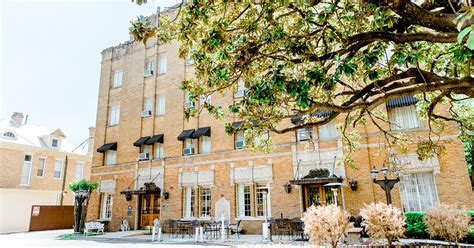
point(324, 180)
point(149, 188)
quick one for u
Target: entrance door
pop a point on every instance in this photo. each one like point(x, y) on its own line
point(318, 195)
point(150, 209)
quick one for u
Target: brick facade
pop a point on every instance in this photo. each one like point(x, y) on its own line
point(224, 159)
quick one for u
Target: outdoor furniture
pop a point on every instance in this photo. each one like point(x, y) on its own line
point(94, 225)
point(182, 228)
point(234, 228)
point(124, 226)
point(298, 230)
point(168, 226)
point(283, 227)
point(212, 230)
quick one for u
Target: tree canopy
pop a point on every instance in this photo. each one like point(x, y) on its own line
point(347, 57)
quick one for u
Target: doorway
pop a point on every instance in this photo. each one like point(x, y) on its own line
point(150, 209)
point(316, 194)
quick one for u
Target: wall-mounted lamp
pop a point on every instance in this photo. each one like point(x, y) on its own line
point(166, 195)
point(353, 185)
point(287, 187)
point(128, 196)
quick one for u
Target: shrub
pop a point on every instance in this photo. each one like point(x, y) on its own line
point(83, 184)
point(447, 222)
point(326, 224)
point(416, 228)
point(382, 221)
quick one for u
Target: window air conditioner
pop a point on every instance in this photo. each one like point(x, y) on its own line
point(188, 151)
point(240, 93)
point(189, 105)
point(239, 144)
point(144, 156)
point(146, 113)
point(303, 135)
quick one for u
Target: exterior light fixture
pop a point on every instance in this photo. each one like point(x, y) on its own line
point(287, 187)
point(374, 173)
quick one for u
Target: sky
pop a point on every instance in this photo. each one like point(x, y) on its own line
point(50, 57)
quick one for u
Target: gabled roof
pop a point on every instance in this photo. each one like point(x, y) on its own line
point(31, 135)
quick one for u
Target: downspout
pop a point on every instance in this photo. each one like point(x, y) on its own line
point(64, 182)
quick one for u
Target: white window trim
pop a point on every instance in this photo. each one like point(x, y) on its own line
point(188, 194)
point(207, 205)
point(119, 84)
point(205, 144)
point(117, 116)
point(160, 105)
point(103, 206)
point(61, 171)
point(437, 201)
point(161, 149)
point(106, 157)
point(58, 143)
point(162, 64)
point(29, 173)
point(82, 170)
point(44, 167)
point(269, 202)
point(241, 200)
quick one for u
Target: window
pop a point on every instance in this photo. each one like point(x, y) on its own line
point(261, 138)
point(79, 170)
point(106, 206)
point(118, 78)
point(148, 104)
point(304, 134)
point(114, 115)
point(187, 101)
point(404, 118)
point(243, 200)
point(41, 165)
point(189, 144)
point(205, 99)
point(145, 149)
point(418, 191)
point(239, 139)
point(261, 197)
point(159, 150)
point(205, 203)
point(54, 143)
point(58, 169)
point(150, 67)
point(9, 134)
point(327, 131)
point(162, 64)
point(110, 157)
point(160, 105)
point(241, 89)
point(25, 173)
point(205, 144)
point(189, 202)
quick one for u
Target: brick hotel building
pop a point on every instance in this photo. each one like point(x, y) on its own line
point(200, 171)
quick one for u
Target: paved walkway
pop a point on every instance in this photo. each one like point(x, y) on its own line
point(53, 239)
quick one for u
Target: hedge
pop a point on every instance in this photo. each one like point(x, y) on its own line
point(416, 228)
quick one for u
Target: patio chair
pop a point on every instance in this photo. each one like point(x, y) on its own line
point(168, 226)
point(234, 228)
point(298, 229)
point(212, 230)
point(284, 228)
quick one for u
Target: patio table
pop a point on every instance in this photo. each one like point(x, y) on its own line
point(183, 228)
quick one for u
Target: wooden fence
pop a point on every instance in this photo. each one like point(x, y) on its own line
point(51, 217)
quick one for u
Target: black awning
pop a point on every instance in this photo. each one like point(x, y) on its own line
point(324, 180)
point(203, 131)
point(108, 146)
point(401, 102)
point(318, 113)
point(186, 134)
point(141, 141)
point(155, 139)
point(237, 124)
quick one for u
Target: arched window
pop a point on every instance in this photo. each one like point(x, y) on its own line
point(9, 134)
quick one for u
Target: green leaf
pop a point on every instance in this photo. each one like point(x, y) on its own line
point(470, 41)
point(463, 33)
